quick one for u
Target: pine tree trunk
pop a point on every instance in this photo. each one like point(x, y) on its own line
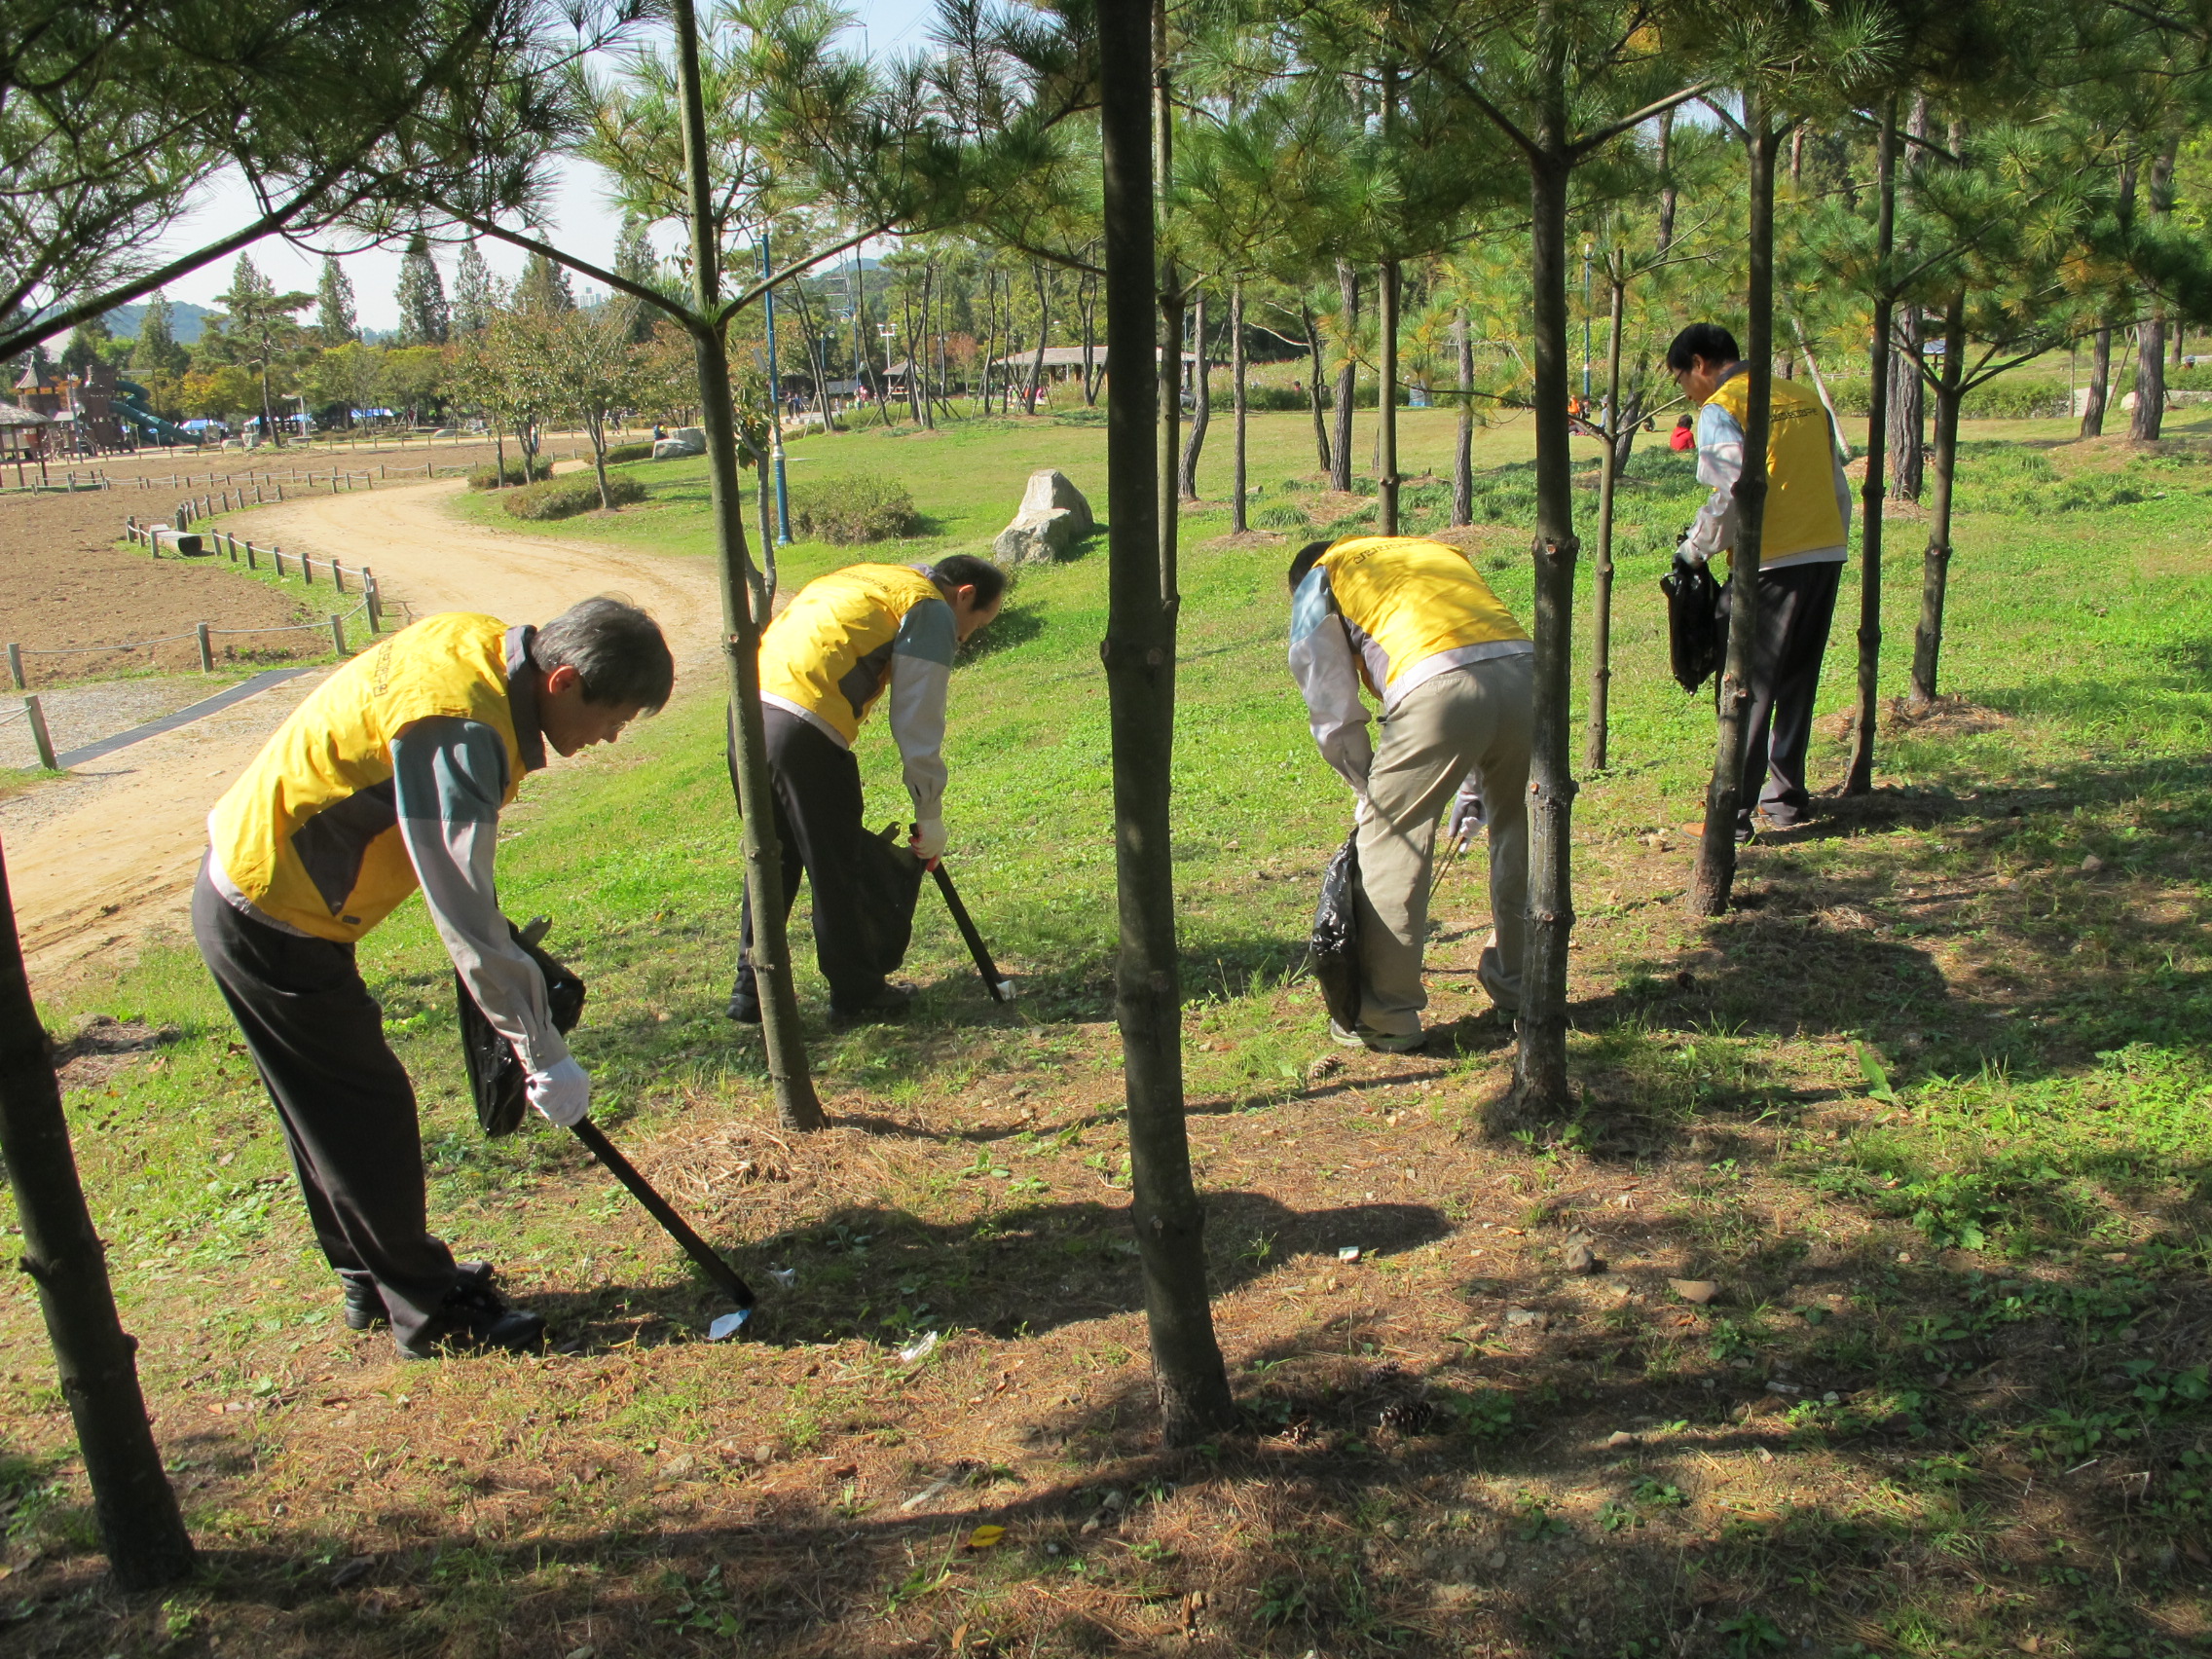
point(2099, 389)
point(1715, 876)
point(1860, 779)
point(1201, 408)
point(789, 1073)
point(1237, 391)
point(1463, 440)
point(2151, 333)
point(1387, 401)
point(1139, 655)
point(1908, 444)
point(1602, 584)
point(1936, 563)
point(1670, 197)
point(140, 1527)
point(1539, 1070)
point(1348, 380)
point(1044, 333)
point(1314, 383)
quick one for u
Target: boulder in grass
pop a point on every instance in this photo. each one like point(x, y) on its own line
point(684, 441)
point(1053, 518)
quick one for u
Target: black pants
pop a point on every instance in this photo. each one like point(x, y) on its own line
point(818, 828)
point(1796, 606)
point(348, 1109)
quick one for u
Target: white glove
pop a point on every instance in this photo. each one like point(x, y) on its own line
point(1685, 554)
point(929, 841)
point(1467, 816)
point(562, 1092)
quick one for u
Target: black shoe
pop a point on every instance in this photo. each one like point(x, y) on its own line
point(745, 1009)
point(364, 1303)
point(889, 1004)
point(476, 1319)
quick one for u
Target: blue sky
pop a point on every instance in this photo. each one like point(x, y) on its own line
point(581, 219)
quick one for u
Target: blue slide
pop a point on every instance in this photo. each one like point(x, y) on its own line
point(130, 405)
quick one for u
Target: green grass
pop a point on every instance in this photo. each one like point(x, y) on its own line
point(1933, 1105)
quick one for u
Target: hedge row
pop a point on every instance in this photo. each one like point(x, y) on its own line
point(488, 477)
point(564, 497)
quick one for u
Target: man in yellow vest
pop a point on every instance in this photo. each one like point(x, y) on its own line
point(1408, 621)
point(851, 637)
point(391, 776)
point(1802, 535)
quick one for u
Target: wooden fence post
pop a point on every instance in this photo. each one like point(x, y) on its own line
point(306, 570)
point(338, 575)
point(371, 600)
point(206, 647)
point(249, 563)
point(16, 664)
point(338, 633)
point(39, 734)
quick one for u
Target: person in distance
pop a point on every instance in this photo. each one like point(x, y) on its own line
point(1803, 531)
point(1410, 622)
point(847, 641)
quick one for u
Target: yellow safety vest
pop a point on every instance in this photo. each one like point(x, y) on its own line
point(1414, 599)
point(829, 653)
point(1801, 512)
point(310, 833)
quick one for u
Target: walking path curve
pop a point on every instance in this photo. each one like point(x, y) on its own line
point(95, 862)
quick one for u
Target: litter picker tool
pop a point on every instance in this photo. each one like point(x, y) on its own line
point(500, 1084)
point(1001, 988)
point(710, 1258)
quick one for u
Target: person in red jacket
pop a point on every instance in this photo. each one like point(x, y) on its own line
point(1684, 438)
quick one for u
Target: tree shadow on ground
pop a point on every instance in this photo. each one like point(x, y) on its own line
point(886, 1275)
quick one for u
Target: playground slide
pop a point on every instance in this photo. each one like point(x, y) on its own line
point(130, 405)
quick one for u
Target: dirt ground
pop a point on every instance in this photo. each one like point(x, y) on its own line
point(91, 875)
point(67, 583)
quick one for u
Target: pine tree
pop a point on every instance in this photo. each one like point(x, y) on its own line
point(424, 318)
point(156, 351)
point(334, 304)
point(634, 259)
point(543, 290)
point(475, 292)
point(84, 347)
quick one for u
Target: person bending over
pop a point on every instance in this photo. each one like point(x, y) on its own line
point(1408, 621)
point(847, 640)
point(1802, 533)
point(393, 775)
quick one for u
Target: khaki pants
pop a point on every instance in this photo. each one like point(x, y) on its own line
point(1474, 719)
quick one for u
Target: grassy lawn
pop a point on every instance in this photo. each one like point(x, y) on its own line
point(1929, 1109)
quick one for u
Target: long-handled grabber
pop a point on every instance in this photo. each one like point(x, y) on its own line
point(1001, 989)
point(697, 1248)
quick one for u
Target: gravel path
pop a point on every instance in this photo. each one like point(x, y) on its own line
point(78, 715)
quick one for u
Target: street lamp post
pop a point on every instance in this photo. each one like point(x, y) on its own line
point(775, 402)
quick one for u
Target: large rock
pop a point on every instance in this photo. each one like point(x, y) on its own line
point(684, 441)
point(1053, 518)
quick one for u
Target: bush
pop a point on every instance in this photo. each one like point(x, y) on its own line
point(488, 477)
point(1282, 517)
point(1271, 397)
point(564, 497)
point(863, 507)
point(619, 454)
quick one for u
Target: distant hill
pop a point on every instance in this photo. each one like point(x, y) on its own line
point(184, 320)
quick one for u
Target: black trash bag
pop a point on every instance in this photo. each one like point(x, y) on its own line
point(891, 877)
point(1697, 639)
point(1334, 946)
point(496, 1074)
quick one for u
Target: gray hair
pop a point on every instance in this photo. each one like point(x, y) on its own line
point(616, 650)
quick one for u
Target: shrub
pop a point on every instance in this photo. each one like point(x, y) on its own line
point(859, 509)
point(618, 454)
point(1282, 517)
point(1266, 397)
point(564, 497)
point(488, 477)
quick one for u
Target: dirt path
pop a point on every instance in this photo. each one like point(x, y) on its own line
point(95, 862)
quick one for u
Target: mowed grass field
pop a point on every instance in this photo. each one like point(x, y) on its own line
point(1929, 1111)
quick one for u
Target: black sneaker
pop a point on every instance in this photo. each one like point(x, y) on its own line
point(889, 1004)
point(745, 1009)
point(476, 1319)
point(364, 1303)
